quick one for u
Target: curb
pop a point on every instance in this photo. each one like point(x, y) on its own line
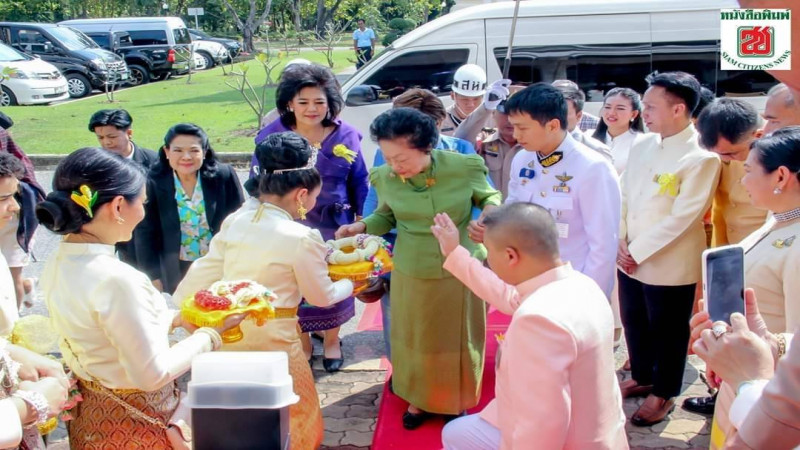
point(240, 160)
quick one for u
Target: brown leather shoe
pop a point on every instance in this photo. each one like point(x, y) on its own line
point(653, 410)
point(630, 388)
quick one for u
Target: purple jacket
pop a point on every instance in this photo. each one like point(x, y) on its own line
point(344, 184)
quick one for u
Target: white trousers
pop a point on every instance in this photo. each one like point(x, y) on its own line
point(470, 433)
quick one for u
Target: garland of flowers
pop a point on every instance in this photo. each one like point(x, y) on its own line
point(365, 248)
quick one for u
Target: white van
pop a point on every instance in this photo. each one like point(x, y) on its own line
point(27, 80)
point(598, 44)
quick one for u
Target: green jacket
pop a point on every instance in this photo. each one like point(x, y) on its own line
point(459, 183)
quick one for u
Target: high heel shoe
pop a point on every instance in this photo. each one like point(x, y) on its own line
point(333, 364)
point(412, 421)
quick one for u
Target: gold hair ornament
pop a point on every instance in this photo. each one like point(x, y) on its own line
point(85, 199)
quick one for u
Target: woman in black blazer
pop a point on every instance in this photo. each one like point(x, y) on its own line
point(189, 194)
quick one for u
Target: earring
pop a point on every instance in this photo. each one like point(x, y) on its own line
point(291, 110)
point(120, 220)
point(777, 191)
point(301, 210)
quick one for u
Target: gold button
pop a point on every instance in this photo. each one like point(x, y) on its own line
point(544, 194)
point(544, 171)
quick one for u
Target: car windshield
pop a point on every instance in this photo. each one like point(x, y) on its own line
point(182, 36)
point(8, 54)
point(72, 39)
point(200, 34)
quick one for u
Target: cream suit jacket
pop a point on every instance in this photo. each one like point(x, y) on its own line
point(732, 214)
point(666, 189)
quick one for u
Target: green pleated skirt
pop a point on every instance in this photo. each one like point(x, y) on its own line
point(438, 336)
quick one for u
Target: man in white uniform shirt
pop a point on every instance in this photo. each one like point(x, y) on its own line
point(666, 190)
point(577, 185)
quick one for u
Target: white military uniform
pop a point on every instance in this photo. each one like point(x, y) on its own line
point(581, 191)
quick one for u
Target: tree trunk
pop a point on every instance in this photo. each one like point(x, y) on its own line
point(247, 39)
point(296, 18)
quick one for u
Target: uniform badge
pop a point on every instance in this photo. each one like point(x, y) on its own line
point(781, 243)
point(563, 188)
point(491, 149)
point(527, 173)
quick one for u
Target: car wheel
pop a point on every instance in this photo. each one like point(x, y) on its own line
point(7, 98)
point(139, 75)
point(208, 58)
point(78, 86)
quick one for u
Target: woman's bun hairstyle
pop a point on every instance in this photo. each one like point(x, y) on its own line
point(104, 173)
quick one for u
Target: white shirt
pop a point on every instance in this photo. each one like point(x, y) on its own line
point(115, 321)
point(9, 313)
point(586, 206)
point(620, 147)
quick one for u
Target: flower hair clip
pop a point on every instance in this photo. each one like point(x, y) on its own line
point(85, 199)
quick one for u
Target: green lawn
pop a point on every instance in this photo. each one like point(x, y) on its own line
point(207, 101)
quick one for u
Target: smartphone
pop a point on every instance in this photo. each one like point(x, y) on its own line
point(723, 282)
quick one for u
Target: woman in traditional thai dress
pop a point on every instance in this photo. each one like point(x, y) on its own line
point(309, 102)
point(772, 257)
point(114, 324)
point(438, 326)
point(263, 242)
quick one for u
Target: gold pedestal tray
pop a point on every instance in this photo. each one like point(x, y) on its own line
point(360, 271)
point(260, 311)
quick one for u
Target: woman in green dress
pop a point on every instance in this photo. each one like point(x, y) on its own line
point(438, 326)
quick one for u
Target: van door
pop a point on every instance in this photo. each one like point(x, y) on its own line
point(428, 67)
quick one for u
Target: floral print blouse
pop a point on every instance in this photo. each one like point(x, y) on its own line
point(195, 232)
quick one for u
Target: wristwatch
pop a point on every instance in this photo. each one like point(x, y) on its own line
point(36, 401)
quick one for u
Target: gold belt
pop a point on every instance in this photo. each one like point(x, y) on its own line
point(286, 313)
point(95, 386)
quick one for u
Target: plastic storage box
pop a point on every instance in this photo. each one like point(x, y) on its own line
point(240, 400)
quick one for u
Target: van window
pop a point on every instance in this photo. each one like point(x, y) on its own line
point(431, 69)
point(149, 37)
point(594, 67)
point(31, 41)
point(100, 39)
point(598, 68)
point(182, 36)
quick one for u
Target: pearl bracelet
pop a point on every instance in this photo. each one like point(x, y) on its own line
point(36, 401)
point(216, 339)
point(781, 338)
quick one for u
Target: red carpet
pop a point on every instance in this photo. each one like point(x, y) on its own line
point(390, 433)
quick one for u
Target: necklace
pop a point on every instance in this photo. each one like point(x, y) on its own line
point(314, 142)
point(787, 215)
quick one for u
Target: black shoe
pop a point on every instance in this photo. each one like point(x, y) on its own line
point(701, 405)
point(412, 421)
point(333, 364)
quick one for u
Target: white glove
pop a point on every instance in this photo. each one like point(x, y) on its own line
point(497, 92)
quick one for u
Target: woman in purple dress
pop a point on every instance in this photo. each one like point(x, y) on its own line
point(308, 101)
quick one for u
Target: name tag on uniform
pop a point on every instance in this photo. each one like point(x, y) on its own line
point(527, 173)
point(491, 149)
point(563, 230)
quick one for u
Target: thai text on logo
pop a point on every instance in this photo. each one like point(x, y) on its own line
point(755, 39)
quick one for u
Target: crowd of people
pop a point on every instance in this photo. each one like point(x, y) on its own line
point(578, 227)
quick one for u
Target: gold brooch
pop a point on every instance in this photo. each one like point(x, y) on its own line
point(781, 243)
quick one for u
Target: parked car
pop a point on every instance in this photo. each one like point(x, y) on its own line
point(144, 62)
point(199, 61)
point(83, 63)
point(25, 80)
point(233, 46)
point(213, 52)
point(161, 46)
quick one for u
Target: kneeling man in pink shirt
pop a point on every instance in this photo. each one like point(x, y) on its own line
point(556, 387)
